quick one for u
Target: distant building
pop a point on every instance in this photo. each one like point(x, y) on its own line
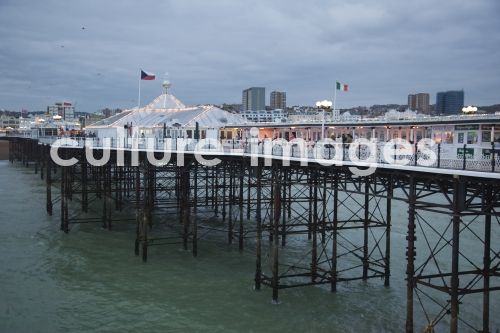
point(449, 102)
point(107, 112)
point(278, 100)
point(64, 109)
point(8, 121)
point(234, 108)
point(419, 102)
point(254, 99)
point(89, 119)
point(265, 116)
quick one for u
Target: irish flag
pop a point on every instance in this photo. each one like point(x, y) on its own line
point(343, 87)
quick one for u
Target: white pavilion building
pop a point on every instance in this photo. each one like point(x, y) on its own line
point(167, 117)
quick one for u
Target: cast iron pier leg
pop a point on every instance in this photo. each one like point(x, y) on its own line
point(275, 225)
point(258, 269)
point(410, 255)
point(487, 259)
point(388, 232)
point(334, 232)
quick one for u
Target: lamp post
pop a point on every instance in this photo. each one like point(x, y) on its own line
point(324, 105)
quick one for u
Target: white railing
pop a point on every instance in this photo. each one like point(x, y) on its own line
point(447, 156)
point(419, 119)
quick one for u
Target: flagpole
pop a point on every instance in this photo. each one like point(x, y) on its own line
point(139, 98)
point(334, 98)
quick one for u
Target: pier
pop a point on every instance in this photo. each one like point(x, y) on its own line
point(340, 222)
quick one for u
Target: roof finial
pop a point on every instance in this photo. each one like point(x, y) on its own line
point(166, 85)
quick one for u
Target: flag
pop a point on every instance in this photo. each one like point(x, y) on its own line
point(343, 87)
point(147, 76)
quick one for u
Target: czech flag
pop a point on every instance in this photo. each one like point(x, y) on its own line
point(147, 76)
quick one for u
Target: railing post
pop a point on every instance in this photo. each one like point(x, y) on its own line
point(492, 156)
point(395, 154)
point(439, 155)
point(465, 160)
point(415, 154)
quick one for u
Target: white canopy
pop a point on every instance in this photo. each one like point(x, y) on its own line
point(167, 109)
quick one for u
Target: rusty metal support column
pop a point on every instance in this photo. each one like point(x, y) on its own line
point(146, 213)
point(487, 207)
point(289, 189)
point(215, 189)
point(84, 177)
point(366, 223)
point(138, 218)
point(285, 176)
point(410, 255)
point(310, 209)
point(63, 196)
point(314, 226)
point(185, 205)
point(324, 214)
point(333, 273)
point(144, 232)
point(117, 177)
point(48, 180)
point(275, 230)
point(240, 204)
point(64, 200)
point(229, 201)
point(43, 160)
point(138, 186)
point(195, 209)
point(105, 207)
point(207, 177)
point(136, 174)
point(35, 158)
point(109, 196)
point(249, 194)
point(388, 220)
point(151, 185)
point(458, 196)
point(258, 269)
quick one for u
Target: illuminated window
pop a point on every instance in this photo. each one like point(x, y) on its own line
point(472, 137)
point(460, 138)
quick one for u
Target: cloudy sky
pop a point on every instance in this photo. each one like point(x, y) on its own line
point(90, 52)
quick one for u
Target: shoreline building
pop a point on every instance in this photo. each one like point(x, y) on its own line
point(449, 102)
point(278, 100)
point(265, 116)
point(419, 102)
point(9, 121)
point(254, 98)
point(63, 109)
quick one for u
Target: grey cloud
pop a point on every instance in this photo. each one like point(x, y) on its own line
point(212, 50)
